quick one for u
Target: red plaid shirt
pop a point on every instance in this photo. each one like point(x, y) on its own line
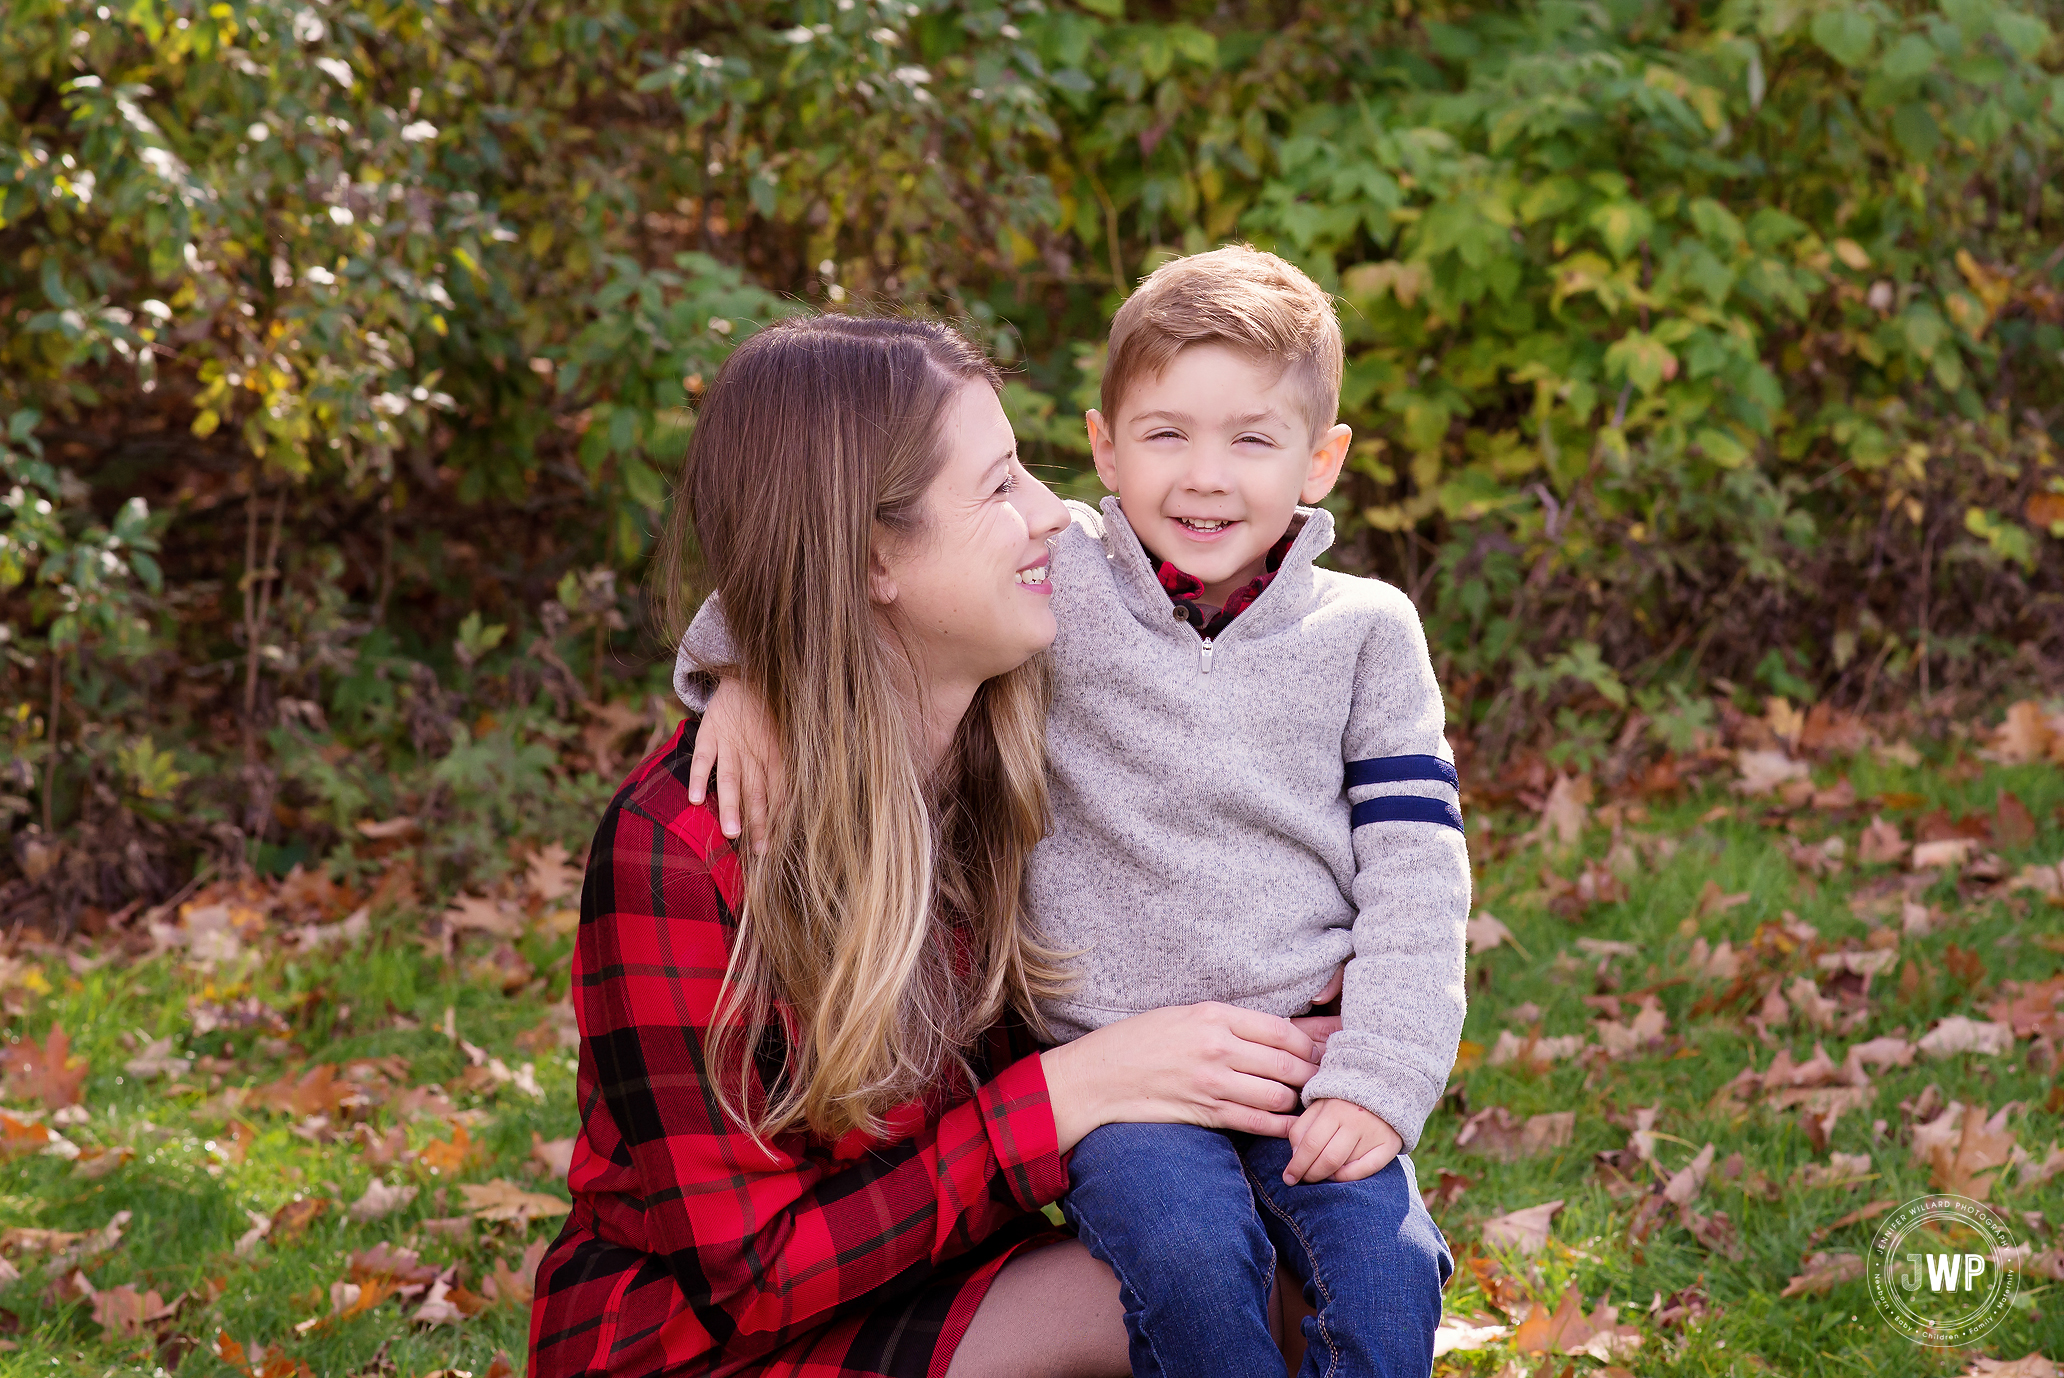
point(1186, 590)
point(691, 1250)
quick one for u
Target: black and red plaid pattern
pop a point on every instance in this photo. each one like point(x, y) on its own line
point(1186, 591)
point(692, 1250)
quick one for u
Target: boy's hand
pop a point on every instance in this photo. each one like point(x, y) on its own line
point(1337, 1140)
point(737, 737)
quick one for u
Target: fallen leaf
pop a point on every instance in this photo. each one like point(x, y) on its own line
point(554, 1155)
point(2012, 824)
point(380, 1200)
point(247, 1242)
point(1533, 1050)
point(402, 1266)
point(2028, 734)
point(1960, 1034)
point(1496, 1133)
point(2032, 1007)
point(1684, 1186)
point(292, 1219)
point(45, 1071)
point(1982, 1148)
point(1455, 1337)
point(2030, 1365)
point(95, 1164)
point(19, 1136)
point(1485, 932)
point(548, 874)
point(472, 913)
point(125, 1312)
point(1881, 843)
point(1525, 1230)
point(502, 1199)
point(1564, 1330)
point(2034, 1174)
point(1840, 1170)
point(157, 1059)
point(1764, 771)
point(1713, 900)
point(449, 1155)
point(1855, 1217)
point(92, 1245)
point(1824, 1272)
point(1947, 851)
point(518, 1286)
point(1566, 810)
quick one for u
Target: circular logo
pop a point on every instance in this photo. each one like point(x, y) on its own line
point(1942, 1270)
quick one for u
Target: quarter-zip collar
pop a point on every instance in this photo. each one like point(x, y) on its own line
point(1140, 587)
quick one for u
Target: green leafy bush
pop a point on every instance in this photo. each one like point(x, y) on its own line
point(1687, 342)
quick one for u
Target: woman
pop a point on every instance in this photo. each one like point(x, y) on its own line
point(816, 1132)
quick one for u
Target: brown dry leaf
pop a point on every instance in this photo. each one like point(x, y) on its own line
point(518, 1286)
point(125, 1312)
point(380, 1200)
point(1960, 1034)
point(470, 913)
point(1881, 843)
point(388, 829)
point(1855, 1217)
point(45, 1071)
point(1945, 851)
point(1764, 771)
point(2029, 734)
point(502, 1199)
point(1454, 1336)
point(316, 1092)
point(265, 1363)
point(97, 1163)
point(1497, 1133)
point(1567, 809)
point(92, 1245)
point(1982, 1149)
point(1485, 932)
point(2033, 1007)
point(385, 1150)
point(1525, 1230)
point(2012, 824)
point(1713, 900)
point(440, 1155)
point(290, 1221)
point(401, 1266)
point(1824, 1272)
point(1840, 1170)
point(555, 1156)
point(502, 1367)
point(2030, 1365)
point(349, 1299)
point(549, 876)
point(1563, 1331)
point(2034, 1174)
point(1684, 1186)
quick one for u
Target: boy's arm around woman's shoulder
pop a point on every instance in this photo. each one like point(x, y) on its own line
point(1404, 995)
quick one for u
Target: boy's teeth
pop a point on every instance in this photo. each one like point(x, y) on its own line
point(1032, 576)
point(1200, 524)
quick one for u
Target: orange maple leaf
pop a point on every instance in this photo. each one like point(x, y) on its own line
point(45, 1072)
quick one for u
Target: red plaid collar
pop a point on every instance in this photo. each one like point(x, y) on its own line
point(1185, 591)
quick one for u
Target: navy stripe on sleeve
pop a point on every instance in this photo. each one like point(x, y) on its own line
point(1406, 808)
point(1389, 770)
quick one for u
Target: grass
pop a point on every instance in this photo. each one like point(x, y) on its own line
point(195, 1175)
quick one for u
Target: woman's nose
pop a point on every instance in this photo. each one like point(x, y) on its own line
point(1046, 516)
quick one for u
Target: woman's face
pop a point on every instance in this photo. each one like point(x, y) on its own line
point(970, 591)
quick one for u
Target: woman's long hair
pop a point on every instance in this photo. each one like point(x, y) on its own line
point(886, 913)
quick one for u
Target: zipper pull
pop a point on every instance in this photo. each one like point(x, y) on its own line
point(1204, 656)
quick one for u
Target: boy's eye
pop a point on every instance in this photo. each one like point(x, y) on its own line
point(1009, 484)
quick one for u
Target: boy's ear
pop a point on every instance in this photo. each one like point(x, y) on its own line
point(1325, 464)
point(1103, 448)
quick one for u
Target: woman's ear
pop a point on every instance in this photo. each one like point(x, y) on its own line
point(881, 581)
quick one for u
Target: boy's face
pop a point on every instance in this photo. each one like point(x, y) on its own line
point(1209, 461)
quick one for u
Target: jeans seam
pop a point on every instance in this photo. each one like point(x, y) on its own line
point(1311, 1255)
point(1095, 1245)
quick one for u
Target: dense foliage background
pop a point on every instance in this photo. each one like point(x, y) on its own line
point(346, 352)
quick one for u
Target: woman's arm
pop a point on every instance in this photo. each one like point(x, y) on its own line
point(767, 1238)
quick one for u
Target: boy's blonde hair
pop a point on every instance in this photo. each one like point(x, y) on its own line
point(1241, 297)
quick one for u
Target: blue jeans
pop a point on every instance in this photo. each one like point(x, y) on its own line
point(1192, 1222)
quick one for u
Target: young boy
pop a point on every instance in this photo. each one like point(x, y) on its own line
point(1251, 787)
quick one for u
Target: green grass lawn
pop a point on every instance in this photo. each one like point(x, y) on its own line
point(253, 1130)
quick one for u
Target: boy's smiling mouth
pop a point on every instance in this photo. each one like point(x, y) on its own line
point(1205, 526)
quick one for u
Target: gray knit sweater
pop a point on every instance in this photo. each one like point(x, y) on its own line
point(1234, 819)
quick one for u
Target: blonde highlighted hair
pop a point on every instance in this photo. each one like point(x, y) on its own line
point(1243, 298)
point(885, 916)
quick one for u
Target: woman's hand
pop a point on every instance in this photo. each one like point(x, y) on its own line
point(737, 737)
point(1213, 1065)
